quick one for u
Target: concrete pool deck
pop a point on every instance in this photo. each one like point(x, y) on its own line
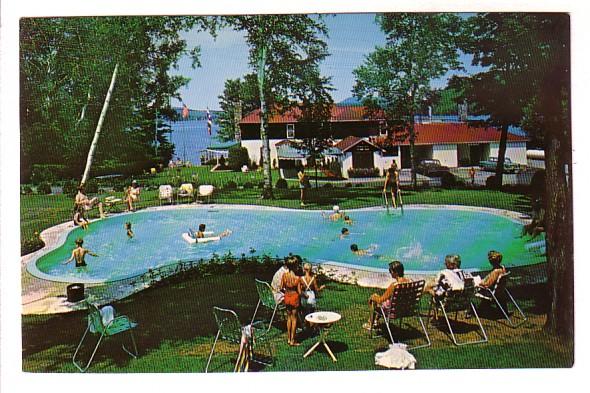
point(46, 295)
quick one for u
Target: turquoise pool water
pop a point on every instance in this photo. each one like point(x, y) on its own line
point(420, 238)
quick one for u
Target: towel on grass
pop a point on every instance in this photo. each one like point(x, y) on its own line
point(396, 357)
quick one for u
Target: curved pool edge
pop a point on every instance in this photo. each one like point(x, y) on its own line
point(56, 236)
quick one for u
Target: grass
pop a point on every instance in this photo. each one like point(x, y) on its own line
point(176, 331)
point(39, 212)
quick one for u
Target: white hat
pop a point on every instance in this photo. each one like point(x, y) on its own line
point(336, 208)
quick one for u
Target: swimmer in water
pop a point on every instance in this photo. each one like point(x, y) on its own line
point(344, 233)
point(361, 252)
point(130, 233)
point(79, 253)
point(347, 220)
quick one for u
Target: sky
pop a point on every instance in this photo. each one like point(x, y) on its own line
point(351, 37)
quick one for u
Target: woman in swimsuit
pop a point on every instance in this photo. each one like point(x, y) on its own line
point(310, 289)
point(291, 286)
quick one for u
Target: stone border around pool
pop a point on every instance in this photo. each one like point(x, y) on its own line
point(43, 294)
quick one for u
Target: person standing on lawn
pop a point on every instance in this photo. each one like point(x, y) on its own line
point(303, 184)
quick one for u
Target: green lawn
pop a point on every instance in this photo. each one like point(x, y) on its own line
point(176, 330)
point(39, 212)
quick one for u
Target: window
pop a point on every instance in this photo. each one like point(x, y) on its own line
point(290, 131)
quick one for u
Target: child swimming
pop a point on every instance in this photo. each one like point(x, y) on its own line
point(130, 233)
point(78, 254)
point(344, 232)
point(362, 252)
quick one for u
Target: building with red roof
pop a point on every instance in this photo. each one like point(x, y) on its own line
point(361, 141)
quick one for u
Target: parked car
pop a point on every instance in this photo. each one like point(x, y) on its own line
point(431, 168)
point(491, 163)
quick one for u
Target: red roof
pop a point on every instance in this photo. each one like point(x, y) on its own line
point(339, 114)
point(442, 133)
point(350, 141)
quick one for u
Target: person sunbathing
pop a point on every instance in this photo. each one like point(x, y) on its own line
point(202, 233)
point(452, 278)
point(132, 195)
point(495, 259)
point(79, 253)
point(396, 269)
point(82, 201)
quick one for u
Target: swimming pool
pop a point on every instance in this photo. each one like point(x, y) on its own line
point(420, 238)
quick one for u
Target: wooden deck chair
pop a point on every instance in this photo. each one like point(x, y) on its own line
point(165, 193)
point(405, 303)
point(186, 191)
point(499, 294)
point(459, 301)
point(230, 329)
point(266, 299)
point(96, 325)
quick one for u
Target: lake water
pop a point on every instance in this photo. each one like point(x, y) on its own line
point(190, 137)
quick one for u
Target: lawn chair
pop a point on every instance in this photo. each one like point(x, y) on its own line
point(266, 299)
point(230, 329)
point(101, 324)
point(404, 302)
point(187, 191)
point(459, 301)
point(205, 191)
point(165, 193)
point(500, 295)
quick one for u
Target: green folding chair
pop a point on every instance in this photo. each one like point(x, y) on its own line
point(404, 303)
point(266, 299)
point(500, 294)
point(459, 301)
point(230, 329)
point(95, 325)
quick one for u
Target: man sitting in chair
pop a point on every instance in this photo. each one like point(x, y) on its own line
point(396, 269)
point(132, 195)
point(450, 279)
point(82, 201)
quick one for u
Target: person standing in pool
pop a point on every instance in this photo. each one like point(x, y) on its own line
point(79, 253)
point(130, 233)
point(392, 183)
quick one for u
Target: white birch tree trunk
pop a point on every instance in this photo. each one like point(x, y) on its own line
point(103, 113)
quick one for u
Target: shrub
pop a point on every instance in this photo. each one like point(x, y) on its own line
point(261, 185)
point(222, 161)
point(176, 181)
point(230, 185)
point(359, 185)
point(281, 184)
point(348, 184)
point(26, 190)
point(44, 188)
point(237, 157)
point(327, 185)
point(47, 173)
point(363, 172)
point(248, 185)
point(492, 182)
point(70, 187)
point(31, 244)
point(448, 180)
point(335, 168)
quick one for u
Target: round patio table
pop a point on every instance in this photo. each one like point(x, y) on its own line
point(323, 320)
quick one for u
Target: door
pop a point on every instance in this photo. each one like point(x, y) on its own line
point(363, 159)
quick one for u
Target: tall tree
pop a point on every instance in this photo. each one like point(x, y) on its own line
point(240, 96)
point(284, 51)
point(395, 78)
point(498, 43)
point(528, 56)
point(66, 68)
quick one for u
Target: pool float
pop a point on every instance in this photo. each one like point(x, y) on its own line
point(189, 239)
